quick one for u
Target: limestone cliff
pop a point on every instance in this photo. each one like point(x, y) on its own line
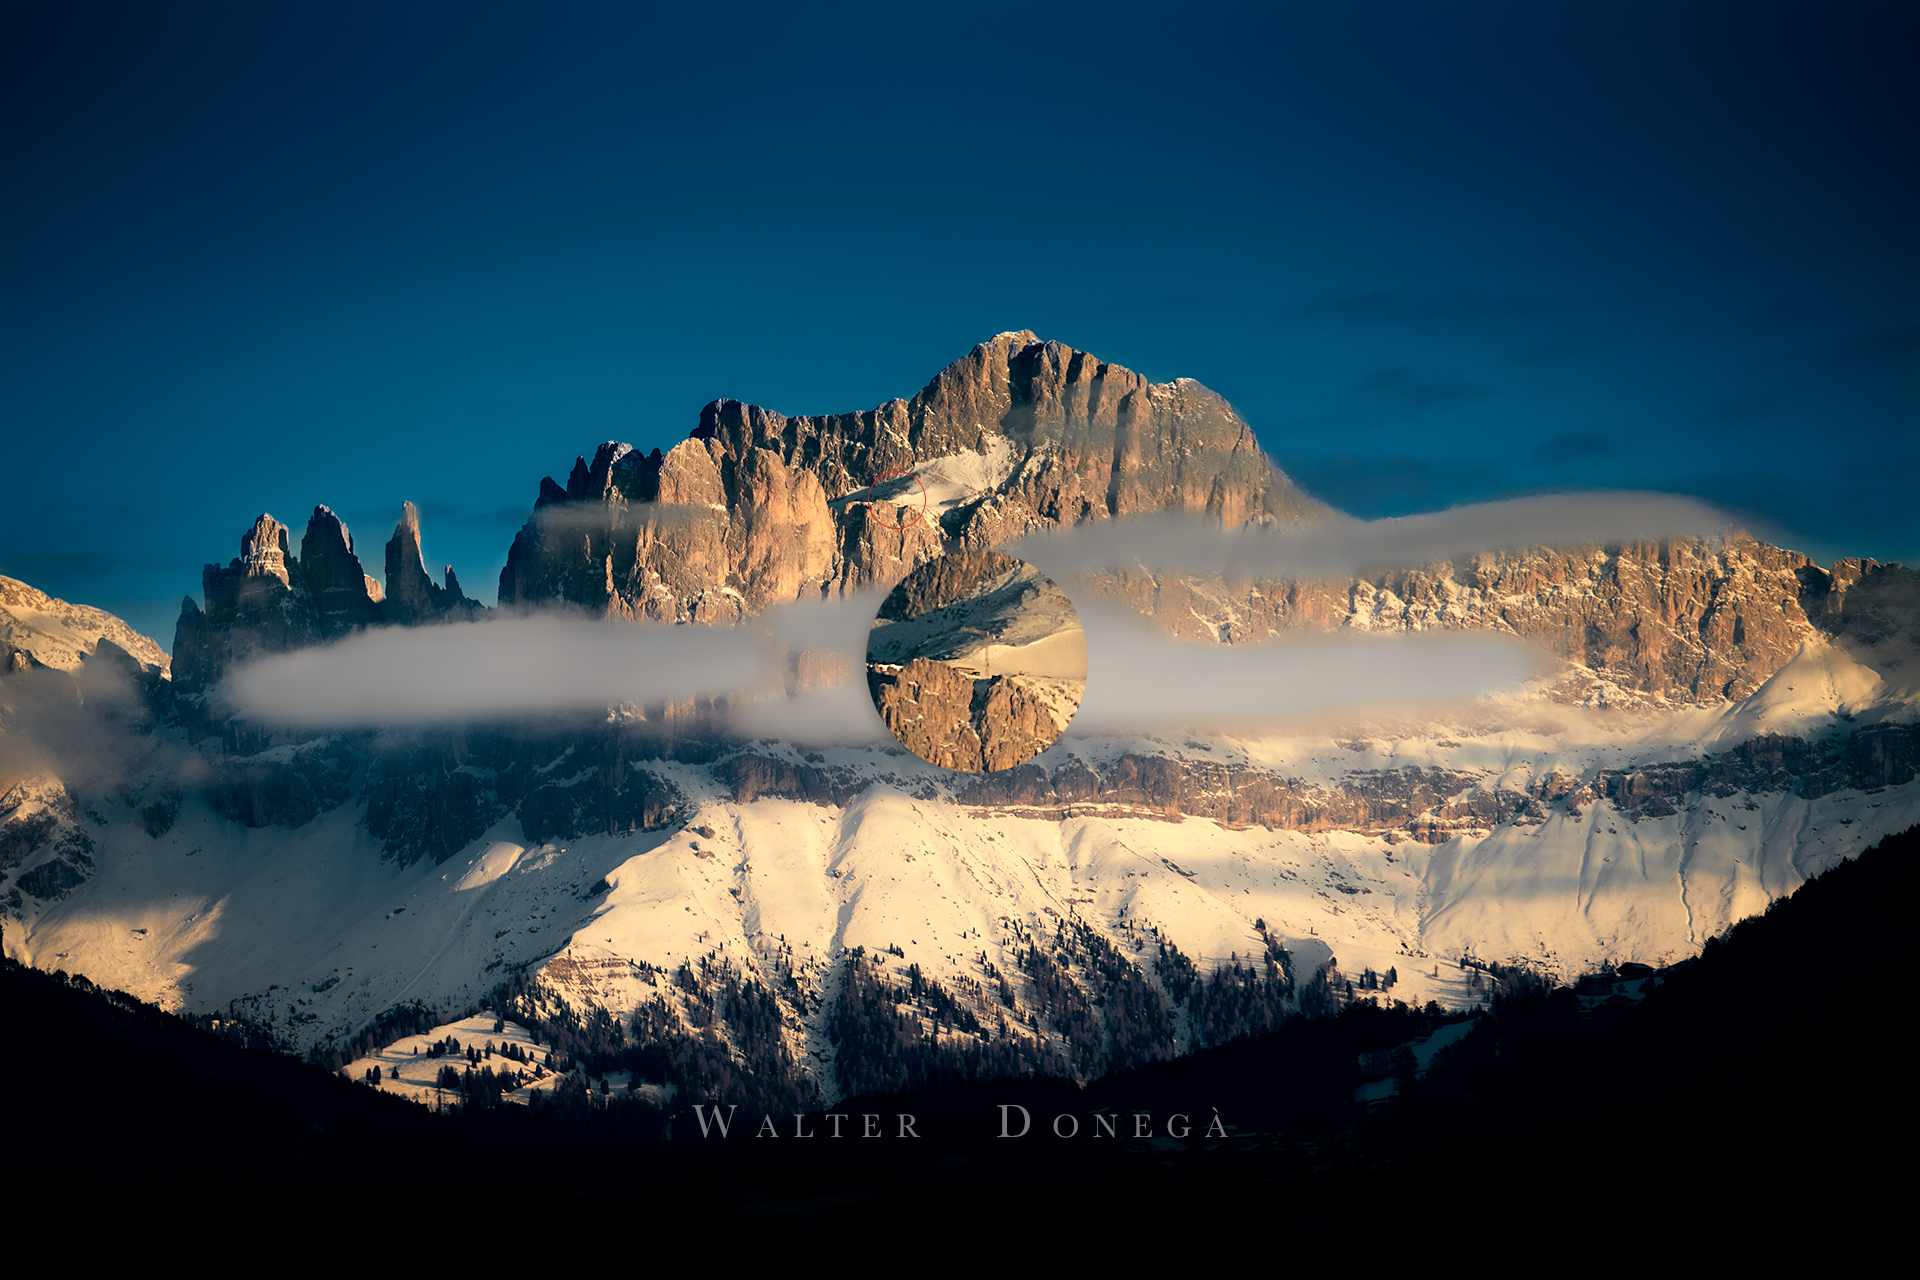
point(37, 629)
point(411, 596)
point(258, 603)
point(951, 719)
point(266, 601)
point(1686, 622)
point(343, 595)
point(756, 508)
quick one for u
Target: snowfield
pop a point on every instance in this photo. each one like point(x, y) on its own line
point(1028, 621)
point(313, 933)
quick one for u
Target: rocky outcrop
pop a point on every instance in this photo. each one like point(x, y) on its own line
point(286, 788)
point(750, 776)
point(259, 603)
point(1015, 722)
point(430, 793)
point(637, 800)
point(928, 707)
point(695, 536)
point(343, 595)
point(756, 508)
point(265, 601)
point(1684, 621)
point(38, 630)
point(45, 852)
point(945, 581)
point(1433, 805)
point(412, 597)
point(948, 718)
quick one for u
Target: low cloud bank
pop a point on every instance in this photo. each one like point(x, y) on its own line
point(1139, 679)
point(497, 668)
point(1342, 547)
point(837, 716)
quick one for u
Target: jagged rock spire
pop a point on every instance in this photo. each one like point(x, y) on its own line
point(335, 576)
point(412, 596)
point(258, 603)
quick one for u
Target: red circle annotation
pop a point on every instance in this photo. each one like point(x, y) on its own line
point(917, 516)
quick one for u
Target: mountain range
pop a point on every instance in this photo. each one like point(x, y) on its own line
point(1721, 720)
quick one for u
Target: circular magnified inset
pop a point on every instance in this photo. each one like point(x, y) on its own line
point(976, 662)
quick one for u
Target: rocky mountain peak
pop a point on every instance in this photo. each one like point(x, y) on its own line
point(756, 508)
point(327, 534)
point(265, 601)
point(344, 595)
point(264, 551)
point(37, 629)
point(412, 596)
point(258, 603)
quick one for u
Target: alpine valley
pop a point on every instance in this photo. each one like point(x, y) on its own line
point(1726, 720)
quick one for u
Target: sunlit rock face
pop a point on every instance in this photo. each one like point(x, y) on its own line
point(38, 630)
point(1680, 622)
point(976, 662)
point(1728, 719)
point(412, 596)
point(258, 603)
point(756, 508)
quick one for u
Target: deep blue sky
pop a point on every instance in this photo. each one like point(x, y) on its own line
point(254, 257)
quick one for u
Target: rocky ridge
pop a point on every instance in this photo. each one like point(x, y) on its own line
point(756, 508)
point(267, 601)
point(38, 630)
point(956, 721)
point(1678, 622)
point(730, 522)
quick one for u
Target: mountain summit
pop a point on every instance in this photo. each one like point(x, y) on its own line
point(1725, 720)
point(755, 508)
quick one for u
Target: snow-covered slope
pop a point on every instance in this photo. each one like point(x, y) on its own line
point(57, 634)
point(413, 1066)
point(1017, 621)
point(1621, 811)
point(311, 932)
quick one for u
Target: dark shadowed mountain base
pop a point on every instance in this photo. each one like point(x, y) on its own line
point(1767, 1066)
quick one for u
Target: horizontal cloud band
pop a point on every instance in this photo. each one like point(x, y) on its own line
point(1136, 677)
point(495, 669)
point(1341, 547)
